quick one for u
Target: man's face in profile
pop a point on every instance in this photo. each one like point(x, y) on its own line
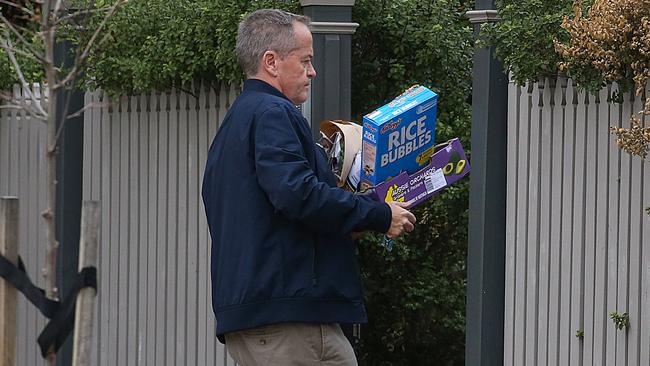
point(295, 70)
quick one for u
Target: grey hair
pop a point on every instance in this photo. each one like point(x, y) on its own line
point(265, 30)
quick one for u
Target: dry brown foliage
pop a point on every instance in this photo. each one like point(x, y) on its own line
point(614, 39)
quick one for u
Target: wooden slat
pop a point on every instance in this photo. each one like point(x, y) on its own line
point(92, 119)
point(96, 150)
point(644, 343)
point(5, 120)
point(193, 196)
point(555, 250)
point(114, 243)
point(41, 237)
point(26, 313)
point(13, 179)
point(565, 332)
point(26, 185)
point(172, 230)
point(204, 313)
point(623, 237)
point(545, 194)
point(591, 174)
point(612, 234)
point(26, 162)
point(634, 279)
point(180, 242)
point(163, 207)
point(134, 344)
point(124, 324)
point(578, 227)
point(601, 209)
point(214, 118)
point(152, 229)
point(531, 242)
point(522, 228)
point(514, 93)
point(106, 245)
point(142, 238)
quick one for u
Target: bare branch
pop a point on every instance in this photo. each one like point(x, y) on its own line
point(79, 13)
point(7, 46)
point(22, 39)
point(25, 30)
point(187, 91)
point(86, 107)
point(81, 58)
point(24, 53)
point(75, 114)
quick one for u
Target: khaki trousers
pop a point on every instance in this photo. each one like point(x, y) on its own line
point(291, 344)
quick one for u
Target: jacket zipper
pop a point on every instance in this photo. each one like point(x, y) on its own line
point(314, 280)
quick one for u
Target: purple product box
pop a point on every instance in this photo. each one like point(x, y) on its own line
point(447, 165)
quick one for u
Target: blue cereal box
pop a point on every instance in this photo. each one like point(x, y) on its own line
point(399, 136)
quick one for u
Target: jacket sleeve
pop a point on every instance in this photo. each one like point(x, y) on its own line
point(292, 187)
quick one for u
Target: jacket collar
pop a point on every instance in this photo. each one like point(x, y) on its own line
point(262, 86)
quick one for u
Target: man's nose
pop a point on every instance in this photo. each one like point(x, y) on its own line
point(311, 71)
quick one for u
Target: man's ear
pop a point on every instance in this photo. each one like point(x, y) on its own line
point(269, 63)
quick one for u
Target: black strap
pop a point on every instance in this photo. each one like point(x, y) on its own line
point(19, 279)
point(61, 313)
point(61, 325)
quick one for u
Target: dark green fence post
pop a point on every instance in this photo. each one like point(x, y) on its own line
point(487, 215)
point(332, 30)
point(69, 177)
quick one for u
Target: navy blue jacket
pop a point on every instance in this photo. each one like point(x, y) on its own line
point(280, 228)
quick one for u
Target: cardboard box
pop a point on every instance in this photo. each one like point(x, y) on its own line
point(398, 136)
point(447, 165)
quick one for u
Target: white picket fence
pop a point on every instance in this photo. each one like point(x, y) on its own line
point(578, 239)
point(143, 160)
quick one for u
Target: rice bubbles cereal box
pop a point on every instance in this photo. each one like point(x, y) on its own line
point(398, 136)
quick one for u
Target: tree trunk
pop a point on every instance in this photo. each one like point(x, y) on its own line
point(49, 272)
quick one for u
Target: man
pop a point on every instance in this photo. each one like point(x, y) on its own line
point(284, 271)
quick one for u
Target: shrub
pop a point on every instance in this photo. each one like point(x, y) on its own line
point(523, 37)
point(158, 44)
point(415, 295)
point(612, 44)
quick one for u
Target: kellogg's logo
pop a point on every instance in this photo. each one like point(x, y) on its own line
point(391, 125)
point(370, 127)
